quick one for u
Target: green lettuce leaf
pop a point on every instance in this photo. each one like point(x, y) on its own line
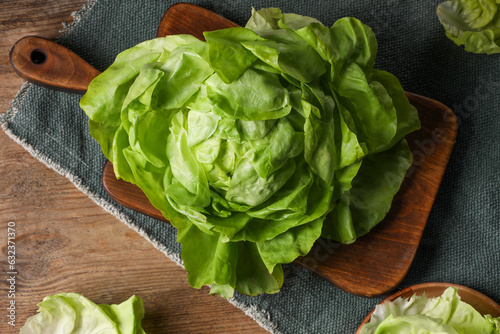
point(475, 24)
point(73, 313)
point(367, 196)
point(256, 142)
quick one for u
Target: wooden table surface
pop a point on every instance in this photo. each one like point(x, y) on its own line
point(64, 242)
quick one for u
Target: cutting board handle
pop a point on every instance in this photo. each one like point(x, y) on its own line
point(46, 63)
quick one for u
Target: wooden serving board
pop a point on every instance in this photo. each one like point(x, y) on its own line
point(376, 263)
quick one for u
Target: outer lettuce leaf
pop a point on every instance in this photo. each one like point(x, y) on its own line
point(73, 313)
point(249, 141)
point(373, 188)
point(472, 23)
point(420, 314)
point(227, 265)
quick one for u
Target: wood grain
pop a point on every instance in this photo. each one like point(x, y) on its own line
point(65, 242)
point(376, 263)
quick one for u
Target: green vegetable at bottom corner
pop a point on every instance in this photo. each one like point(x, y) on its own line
point(73, 313)
point(475, 24)
point(251, 154)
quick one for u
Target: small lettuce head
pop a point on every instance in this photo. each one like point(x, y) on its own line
point(475, 24)
point(256, 142)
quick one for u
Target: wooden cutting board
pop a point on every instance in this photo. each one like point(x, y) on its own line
point(376, 263)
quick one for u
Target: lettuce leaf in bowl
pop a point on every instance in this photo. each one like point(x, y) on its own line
point(446, 313)
point(257, 142)
point(475, 24)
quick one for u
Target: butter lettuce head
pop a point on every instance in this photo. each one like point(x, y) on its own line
point(73, 313)
point(257, 142)
point(475, 24)
point(446, 314)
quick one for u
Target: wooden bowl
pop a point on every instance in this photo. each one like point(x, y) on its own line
point(482, 303)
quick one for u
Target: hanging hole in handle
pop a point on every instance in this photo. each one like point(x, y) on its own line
point(38, 56)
